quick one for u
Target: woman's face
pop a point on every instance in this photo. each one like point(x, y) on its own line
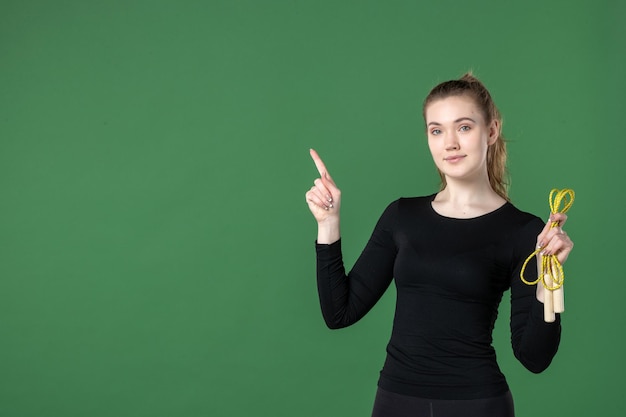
point(458, 137)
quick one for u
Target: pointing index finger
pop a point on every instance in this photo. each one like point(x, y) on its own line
point(321, 168)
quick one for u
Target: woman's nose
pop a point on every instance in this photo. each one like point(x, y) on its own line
point(451, 142)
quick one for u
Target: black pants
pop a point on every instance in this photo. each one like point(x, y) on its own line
point(389, 404)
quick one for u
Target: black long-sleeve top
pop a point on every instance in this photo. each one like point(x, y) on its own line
point(450, 275)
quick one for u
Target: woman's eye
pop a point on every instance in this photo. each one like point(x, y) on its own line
point(435, 132)
point(464, 128)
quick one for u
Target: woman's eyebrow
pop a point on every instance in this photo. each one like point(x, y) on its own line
point(464, 118)
point(456, 121)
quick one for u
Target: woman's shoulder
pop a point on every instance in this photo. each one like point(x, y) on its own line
point(523, 219)
point(407, 207)
point(417, 201)
point(409, 203)
point(521, 214)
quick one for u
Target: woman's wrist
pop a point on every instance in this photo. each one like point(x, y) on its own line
point(328, 231)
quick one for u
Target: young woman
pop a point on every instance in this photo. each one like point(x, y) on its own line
point(452, 255)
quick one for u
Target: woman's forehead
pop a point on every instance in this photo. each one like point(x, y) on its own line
point(451, 108)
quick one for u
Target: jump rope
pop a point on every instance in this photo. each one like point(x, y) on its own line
point(550, 271)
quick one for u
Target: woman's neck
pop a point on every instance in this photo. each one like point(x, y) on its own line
point(467, 200)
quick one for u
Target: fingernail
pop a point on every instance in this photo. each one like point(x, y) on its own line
point(330, 199)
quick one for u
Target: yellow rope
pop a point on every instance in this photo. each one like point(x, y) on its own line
point(550, 265)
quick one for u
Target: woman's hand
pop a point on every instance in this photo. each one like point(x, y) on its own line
point(554, 240)
point(324, 200)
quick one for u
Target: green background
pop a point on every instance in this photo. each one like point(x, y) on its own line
point(156, 252)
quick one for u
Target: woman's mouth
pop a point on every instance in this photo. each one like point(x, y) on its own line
point(454, 158)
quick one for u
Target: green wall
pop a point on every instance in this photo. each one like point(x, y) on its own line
point(156, 252)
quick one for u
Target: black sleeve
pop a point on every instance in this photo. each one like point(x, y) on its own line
point(345, 299)
point(534, 341)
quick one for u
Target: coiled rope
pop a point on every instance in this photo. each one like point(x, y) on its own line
point(551, 269)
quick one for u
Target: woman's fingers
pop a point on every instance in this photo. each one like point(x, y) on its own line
point(319, 164)
point(554, 240)
point(557, 240)
point(560, 245)
point(324, 197)
point(559, 218)
point(323, 190)
point(325, 184)
point(548, 231)
point(557, 243)
point(321, 167)
point(319, 198)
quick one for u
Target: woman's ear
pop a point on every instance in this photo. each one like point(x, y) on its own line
point(494, 131)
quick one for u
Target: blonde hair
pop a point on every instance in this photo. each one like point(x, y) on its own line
point(471, 86)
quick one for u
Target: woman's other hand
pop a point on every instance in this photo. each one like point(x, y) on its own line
point(324, 200)
point(554, 240)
